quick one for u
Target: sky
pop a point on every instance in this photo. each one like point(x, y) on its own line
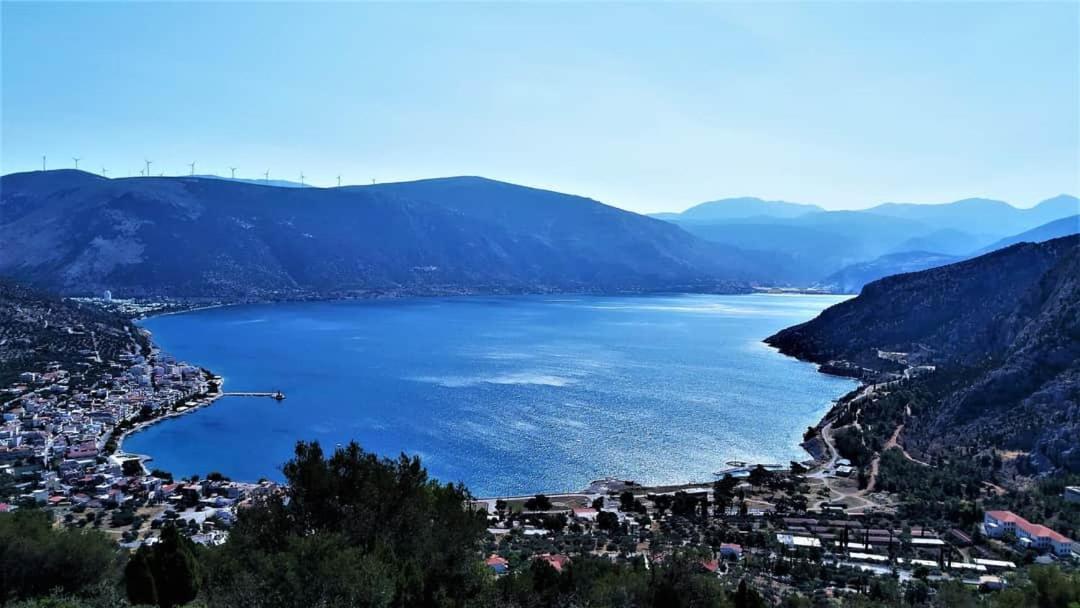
point(646, 106)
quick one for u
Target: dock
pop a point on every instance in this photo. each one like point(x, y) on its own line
point(275, 395)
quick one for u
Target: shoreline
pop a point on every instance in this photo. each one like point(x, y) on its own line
point(201, 402)
point(182, 307)
point(813, 462)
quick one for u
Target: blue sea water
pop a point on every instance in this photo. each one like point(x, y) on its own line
point(510, 395)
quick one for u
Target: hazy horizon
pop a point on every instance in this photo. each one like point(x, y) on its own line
point(642, 106)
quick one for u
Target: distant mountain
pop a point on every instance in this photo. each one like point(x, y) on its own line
point(74, 232)
point(1051, 230)
point(741, 208)
point(818, 244)
point(948, 242)
point(1002, 329)
point(851, 279)
point(979, 215)
point(823, 244)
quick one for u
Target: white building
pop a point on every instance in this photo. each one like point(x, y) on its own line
point(1028, 535)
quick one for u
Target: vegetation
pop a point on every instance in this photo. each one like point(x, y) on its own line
point(353, 530)
point(593, 581)
point(36, 558)
point(165, 574)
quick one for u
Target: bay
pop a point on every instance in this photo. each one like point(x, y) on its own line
point(510, 395)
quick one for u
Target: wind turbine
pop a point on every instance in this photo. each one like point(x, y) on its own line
point(339, 181)
point(104, 172)
point(148, 163)
point(301, 178)
point(192, 165)
point(233, 169)
point(76, 159)
point(266, 176)
point(42, 162)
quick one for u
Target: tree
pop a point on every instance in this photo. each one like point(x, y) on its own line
point(165, 574)
point(36, 558)
point(131, 468)
point(606, 520)
point(746, 597)
point(724, 492)
point(759, 475)
point(352, 529)
point(139, 580)
point(538, 503)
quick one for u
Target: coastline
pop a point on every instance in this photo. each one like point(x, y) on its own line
point(813, 460)
point(201, 402)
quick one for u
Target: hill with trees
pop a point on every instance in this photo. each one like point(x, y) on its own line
point(1002, 333)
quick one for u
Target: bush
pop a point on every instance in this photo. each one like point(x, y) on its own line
point(36, 558)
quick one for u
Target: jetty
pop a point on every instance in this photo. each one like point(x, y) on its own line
point(275, 395)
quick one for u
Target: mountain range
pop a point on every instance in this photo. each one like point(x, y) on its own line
point(73, 232)
point(76, 233)
point(841, 251)
point(1002, 332)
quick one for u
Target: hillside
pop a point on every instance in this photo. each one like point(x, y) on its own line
point(1003, 331)
point(37, 329)
point(76, 233)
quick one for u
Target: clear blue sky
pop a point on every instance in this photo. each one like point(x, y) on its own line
point(645, 106)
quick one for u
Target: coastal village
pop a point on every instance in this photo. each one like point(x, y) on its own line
point(61, 444)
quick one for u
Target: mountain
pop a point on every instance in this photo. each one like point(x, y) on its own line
point(980, 215)
point(74, 232)
point(1003, 332)
point(948, 241)
point(851, 279)
point(847, 247)
point(817, 244)
point(1051, 230)
point(740, 208)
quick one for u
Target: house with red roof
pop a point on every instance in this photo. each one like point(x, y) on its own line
point(584, 513)
point(558, 562)
point(1028, 535)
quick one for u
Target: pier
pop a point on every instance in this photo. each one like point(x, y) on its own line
point(275, 395)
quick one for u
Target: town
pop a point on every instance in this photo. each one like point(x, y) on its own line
point(62, 431)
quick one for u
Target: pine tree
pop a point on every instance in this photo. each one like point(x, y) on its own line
point(139, 579)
